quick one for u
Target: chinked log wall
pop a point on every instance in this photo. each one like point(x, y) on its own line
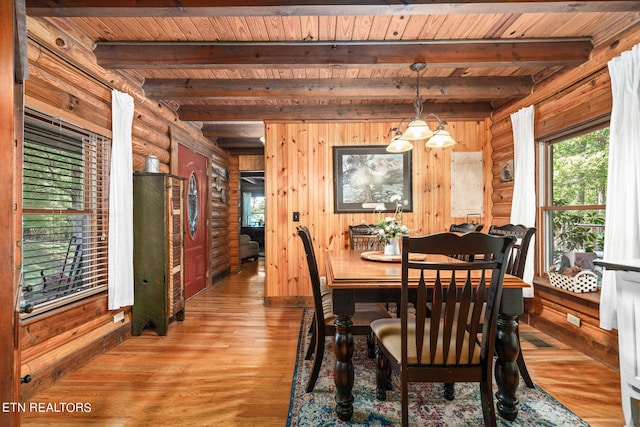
point(575, 97)
point(299, 177)
point(66, 82)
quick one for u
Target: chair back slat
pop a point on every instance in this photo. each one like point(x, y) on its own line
point(457, 291)
point(436, 312)
point(475, 325)
point(449, 315)
point(461, 321)
point(421, 311)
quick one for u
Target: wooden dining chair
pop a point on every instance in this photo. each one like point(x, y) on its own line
point(364, 237)
point(324, 318)
point(515, 267)
point(523, 234)
point(448, 339)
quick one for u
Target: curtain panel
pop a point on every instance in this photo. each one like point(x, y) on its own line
point(523, 205)
point(622, 225)
point(121, 203)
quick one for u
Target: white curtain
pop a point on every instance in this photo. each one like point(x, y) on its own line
point(121, 203)
point(622, 223)
point(523, 205)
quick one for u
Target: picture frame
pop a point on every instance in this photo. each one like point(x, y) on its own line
point(221, 172)
point(367, 178)
point(506, 171)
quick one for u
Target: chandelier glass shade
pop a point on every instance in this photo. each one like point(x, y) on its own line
point(399, 144)
point(441, 138)
point(418, 129)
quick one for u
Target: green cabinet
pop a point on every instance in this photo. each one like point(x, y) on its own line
point(158, 251)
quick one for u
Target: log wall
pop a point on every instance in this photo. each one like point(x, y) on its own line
point(233, 223)
point(66, 82)
point(575, 97)
point(299, 177)
point(572, 98)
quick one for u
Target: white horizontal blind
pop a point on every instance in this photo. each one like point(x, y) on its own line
point(65, 213)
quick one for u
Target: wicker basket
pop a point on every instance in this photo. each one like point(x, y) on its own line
point(585, 281)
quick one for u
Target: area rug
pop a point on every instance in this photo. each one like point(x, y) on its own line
point(427, 406)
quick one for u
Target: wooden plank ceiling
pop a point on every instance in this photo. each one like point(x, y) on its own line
point(231, 65)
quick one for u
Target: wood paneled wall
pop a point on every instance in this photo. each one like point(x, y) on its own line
point(299, 178)
point(66, 82)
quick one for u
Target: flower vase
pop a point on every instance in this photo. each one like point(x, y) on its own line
point(393, 247)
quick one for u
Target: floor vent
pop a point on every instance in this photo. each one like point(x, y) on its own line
point(535, 340)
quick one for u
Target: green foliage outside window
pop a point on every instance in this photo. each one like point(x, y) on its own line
point(579, 167)
point(257, 210)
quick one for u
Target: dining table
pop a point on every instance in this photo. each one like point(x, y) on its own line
point(355, 277)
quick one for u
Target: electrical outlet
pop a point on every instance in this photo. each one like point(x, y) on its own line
point(119, 317)
point(574, 320)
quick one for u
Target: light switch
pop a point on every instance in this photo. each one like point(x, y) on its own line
point(296, 217)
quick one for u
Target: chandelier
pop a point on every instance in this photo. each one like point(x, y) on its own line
point(417, 128)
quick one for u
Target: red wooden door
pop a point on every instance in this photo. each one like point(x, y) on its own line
point(193, 167)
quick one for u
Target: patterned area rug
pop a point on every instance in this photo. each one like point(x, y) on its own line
point(427, 406)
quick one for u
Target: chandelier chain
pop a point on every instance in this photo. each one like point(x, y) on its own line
point(417, 103)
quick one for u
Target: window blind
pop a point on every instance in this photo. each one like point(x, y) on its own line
point(65, 213)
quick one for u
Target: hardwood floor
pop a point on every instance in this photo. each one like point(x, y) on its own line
point(231, 363)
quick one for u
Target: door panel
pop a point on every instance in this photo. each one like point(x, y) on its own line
point(193, 167)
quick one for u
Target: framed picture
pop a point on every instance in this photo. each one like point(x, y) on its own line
point(506, 171)
point(221, 172)
point(368, 178)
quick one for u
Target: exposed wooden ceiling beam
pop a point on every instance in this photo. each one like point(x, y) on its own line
point(234, 129)
point(177, 8)
point(316, 113)
point(239, 142)
point(187, 90)
point(241, 146)
point(244, 151)
point(378, 54)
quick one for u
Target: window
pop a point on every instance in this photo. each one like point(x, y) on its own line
point(575, 197)
point(253, 210)
point(65, 213)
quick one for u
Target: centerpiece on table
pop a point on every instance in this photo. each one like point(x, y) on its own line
point(390, 229)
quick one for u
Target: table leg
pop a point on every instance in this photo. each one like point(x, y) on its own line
point(343, 370)
point(506, 368)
